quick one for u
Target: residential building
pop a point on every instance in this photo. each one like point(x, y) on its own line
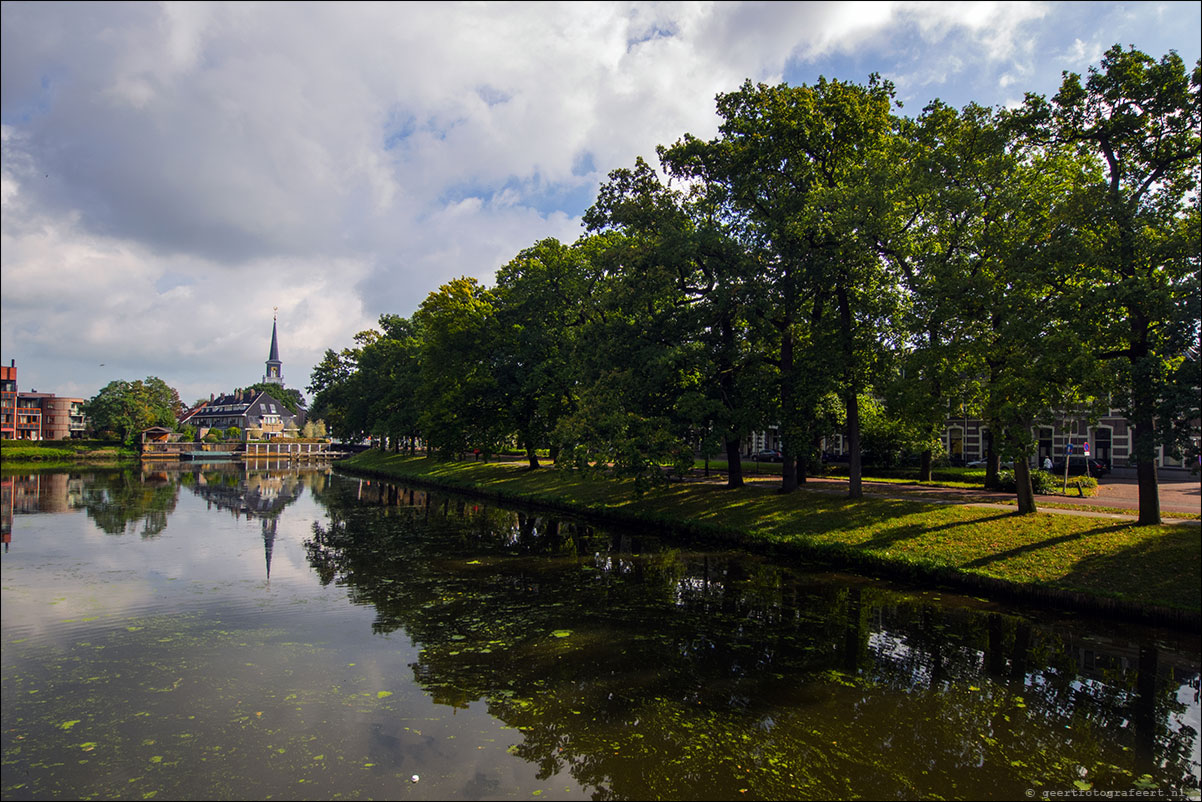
point(8, 401)
point(966, 439)
point(37, 416)
point(61, 417)
point(1110, 440)
point(258, 414)
point(255, 412)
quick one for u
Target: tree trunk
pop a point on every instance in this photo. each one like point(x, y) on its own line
point(993, 466)
point(726, 381)
point(855, 488)
point(1149, 493)
point(850, 396)
point(925, 471)
point(1144, 440)
point(734, 463)
point(1023, 489)
point(788, 479)
point(531, 457)
point(788, 469)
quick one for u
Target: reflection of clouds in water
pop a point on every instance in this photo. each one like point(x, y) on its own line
point(65, 567)
point(1191, 717)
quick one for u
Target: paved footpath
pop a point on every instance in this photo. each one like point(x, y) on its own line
point(1179, 493)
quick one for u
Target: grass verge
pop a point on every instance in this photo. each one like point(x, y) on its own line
point(1114, 567)
point(65, 451)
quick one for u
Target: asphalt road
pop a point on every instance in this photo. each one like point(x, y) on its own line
point(1179, 493)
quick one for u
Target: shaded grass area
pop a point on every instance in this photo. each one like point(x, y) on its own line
point(947, 476)
point(1090, 563)
point(940, 477)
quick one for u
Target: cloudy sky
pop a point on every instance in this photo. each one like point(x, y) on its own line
point(174, 172)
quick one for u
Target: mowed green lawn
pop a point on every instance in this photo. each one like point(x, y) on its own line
point(1104, 559)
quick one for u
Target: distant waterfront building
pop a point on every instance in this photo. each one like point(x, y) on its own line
point(255, 412)
point(61, 417)
point(37, 416)
point(8, 402)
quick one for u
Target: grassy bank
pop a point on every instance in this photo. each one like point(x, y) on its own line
point(1086, 563)
point(65, 451)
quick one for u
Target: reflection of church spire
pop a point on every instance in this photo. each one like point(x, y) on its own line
point(269, 525)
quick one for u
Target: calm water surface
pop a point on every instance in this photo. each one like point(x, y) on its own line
point(218, 633)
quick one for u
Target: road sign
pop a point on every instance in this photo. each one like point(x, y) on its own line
point(1068, 449)
point(1086, 448)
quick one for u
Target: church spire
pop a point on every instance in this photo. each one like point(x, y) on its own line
point(274, 374)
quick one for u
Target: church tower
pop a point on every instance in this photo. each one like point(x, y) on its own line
point(274, 374)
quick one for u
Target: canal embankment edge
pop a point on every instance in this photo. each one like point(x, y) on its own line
point(922, 572)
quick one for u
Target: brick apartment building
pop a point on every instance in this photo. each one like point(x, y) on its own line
point(37, 416)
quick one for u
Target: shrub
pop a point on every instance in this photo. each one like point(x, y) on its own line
point(1044, 483)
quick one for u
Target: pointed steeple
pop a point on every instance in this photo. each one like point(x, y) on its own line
point(274, 356)
point(274, 373)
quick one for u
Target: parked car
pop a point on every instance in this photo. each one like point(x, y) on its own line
point(1005, 465)
point(768, 455)
point(1077, 466)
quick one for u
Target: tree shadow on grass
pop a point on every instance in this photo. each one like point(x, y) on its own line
point(1027, 548)
point(897, 534)
point(1162, 570)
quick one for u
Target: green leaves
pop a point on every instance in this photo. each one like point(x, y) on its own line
point(126, 408)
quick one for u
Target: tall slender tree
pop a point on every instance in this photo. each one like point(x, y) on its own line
point(460, 403)
point(706, 277)
point(1140, 119)
point(810, 167)
point(540, 298)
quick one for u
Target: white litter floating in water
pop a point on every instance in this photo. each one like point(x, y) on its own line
point(414, 778)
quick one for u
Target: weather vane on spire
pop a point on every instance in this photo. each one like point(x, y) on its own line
point(274, 310)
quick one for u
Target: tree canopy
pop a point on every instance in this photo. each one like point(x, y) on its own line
point(830, 267)
point(123, 409)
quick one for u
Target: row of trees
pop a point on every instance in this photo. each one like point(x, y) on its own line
point(824, 261)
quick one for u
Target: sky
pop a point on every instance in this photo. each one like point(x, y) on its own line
point(175, 174)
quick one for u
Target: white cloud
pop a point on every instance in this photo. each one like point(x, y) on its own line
point(172, 171)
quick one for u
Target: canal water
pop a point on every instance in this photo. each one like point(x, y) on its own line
point(213, 632)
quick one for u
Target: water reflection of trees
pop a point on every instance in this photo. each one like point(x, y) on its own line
point(118, 502)
point(650, 672)
point(123, 501)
